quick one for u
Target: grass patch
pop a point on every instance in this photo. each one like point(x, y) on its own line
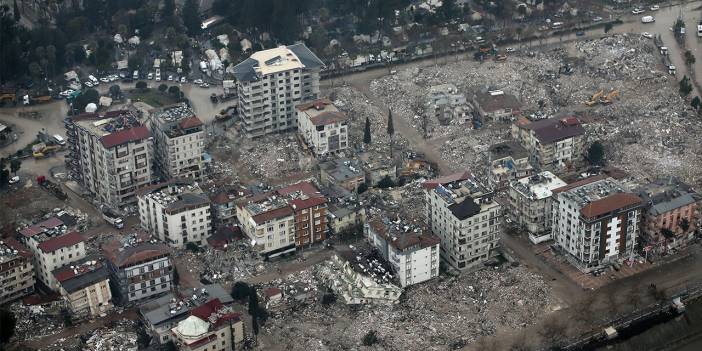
point(152, 97)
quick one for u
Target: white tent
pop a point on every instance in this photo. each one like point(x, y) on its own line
point(91, 107)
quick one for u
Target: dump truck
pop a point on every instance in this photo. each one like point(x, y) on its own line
point(113, 218)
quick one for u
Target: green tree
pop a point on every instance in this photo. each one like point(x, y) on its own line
point(696, 103)
point(191, 17)
point(595, 154)
point(176, 276)
point(253, 302)
point(174, 90)
point(168, 8)
point(4, 173)
point(371, 338)
point(133, 63)
point(16, 11)
point(367, 132)
point(162, 88)
point(15, 165)
point(362, 188)
point(689, 58)
point(141, 85)
point(447, 10)
point(115, 91)
point(240, 291)
point(684, 224)
point(7, 325)
point(391, 127)
point(34, 70)
point(685, 86)
point(386, 182)
point(88, 96)
point(608, 27)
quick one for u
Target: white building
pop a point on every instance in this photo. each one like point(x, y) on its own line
point(553, 144)
point(140, 270)
point(109, 155)
point(52, 248)
point(271, 83)
point(179, 143)
point(85, 286)
point(530, 204)
point(176, 213)
point(462, 212)
point(596, 222)
point(412, 251)
point(345, 275)
point(323, 127)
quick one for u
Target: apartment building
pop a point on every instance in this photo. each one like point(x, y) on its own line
point(343, 172)
point(16, 271)
point(271, 83)
point(85, 287)
point(281, 220)
point(179, 143)
point(323, 126)
point(224, 205)
point(176, 213)
point(109, 155)
point(671, 215)
point(210, 327)
point(553, 144)
point(530, 204)
point(463, 214)
point(507, 161)
point(412, 250)
point(139, 271)
point(52, 247)
point(596, 222)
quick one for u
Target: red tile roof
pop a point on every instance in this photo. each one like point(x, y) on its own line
point(299, 204)
point(433, 183)
point(609, 204)
point(125, 136)
point(50, 223)
point(13, 244)
point(62, 241)
point(142, 252)
point(277, 213)
point(66, 272)
point(328, 118)
point(211, 307)
point(190, 122)
point(221, 198)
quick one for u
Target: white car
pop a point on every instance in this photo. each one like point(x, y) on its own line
point(197, 81)
point(183, 80)
point(509, 50)
point(637, 11)
point(655, 7)
point(204, 85)
point(170, 78)
point(150, 76)
point(597, 19)
point(158, 77)
point(88, 84)
point(105, 79)
point(14, 180)
point(647, 35)
point(67, 92)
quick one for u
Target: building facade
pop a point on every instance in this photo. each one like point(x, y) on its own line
point(140, 271)
point(553, 144)
point(16, 271)
point(464, 215)
point(179, 143)
point(323, 126)
point(271, 83)
point(109, 155)
point(531, 204)
point(176, 213)
point(595, 222)
point(507, 161)
point(85, 287)
point(210, 327)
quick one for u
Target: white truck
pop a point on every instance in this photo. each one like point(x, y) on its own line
point(648, 19)
point(112, 218)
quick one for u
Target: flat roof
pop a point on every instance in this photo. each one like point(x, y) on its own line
point(539, 186)
point(282, 58)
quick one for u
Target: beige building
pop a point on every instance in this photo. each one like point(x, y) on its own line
point(342, 217)
point(210, 327)
point(553, 144)
point(179, 143)
point(176, 213)
point(85, 286)
point(343, 172)
point(271, 83)
point(16, 271)
point(507, 161)
point(109, 155)
point(323, 127)
point(530, 204)
point(463, 213)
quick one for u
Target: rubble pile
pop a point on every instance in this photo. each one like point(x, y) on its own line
point(237, 262)
point(452, 311)
point(274, 157)
point(120, 338)
point(297, 288)
point(35, 322)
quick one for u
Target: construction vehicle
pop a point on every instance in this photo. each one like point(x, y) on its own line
point(31, 100)
point(42, 150)
point(609, 98)
point(113, 218)
point(52, 187)
point(595, 98)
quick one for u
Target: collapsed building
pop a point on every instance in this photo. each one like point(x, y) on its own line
point(446, 105)
point(530, 204)
point(507, 161)
point(553, 144)
point(346, 173)
point(85, 287)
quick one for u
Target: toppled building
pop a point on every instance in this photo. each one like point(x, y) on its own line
point(323, 127)
point(553, 144)
point(496, 105)
point(85, 286)
point(16, 270)
point(139, 270)
point(224, 205)
point(507, 161)
point(378, 169)
point(280, 221)
point(176, 213)
point(411, 250)
point(109, 155)
point(447, 105)
point(52, 247)
point(596, 222)
point(463, 213)
point(531, 204)
point(345, 173)
point(358, 281)
point(210, 325)
point(179, 143)
point(271, 83)
point(671, 215)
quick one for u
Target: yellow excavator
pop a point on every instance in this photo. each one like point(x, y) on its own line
point(609, 98)
point(595, 98)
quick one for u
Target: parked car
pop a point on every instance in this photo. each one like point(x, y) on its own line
point(637, 11)
point(579, 33)
point(183, 79)
point(647, 35)
point(150, 76)
point(170, 78)
point(655, 7)
point(597, 19)
point(14, 180)
point(158, 77)
point(105, 80)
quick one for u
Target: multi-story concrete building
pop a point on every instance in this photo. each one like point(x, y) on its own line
point(109, 155)
point(85, 287)
point(345, 173)
point(671, 215)
point(445, 104)
point(411, 250)
point(281, 220)
point(224, 205)
point(271, 83)
point(495, 105)
point(16, 271)
point(462, 212)
point(179, 143)
point(553, 144)
point(175, 212)
point(323, 127)
point(211, 326)
point(52, 248)
point(507, 161)
point(596, 222)
point(530, 204)
point(139, 271)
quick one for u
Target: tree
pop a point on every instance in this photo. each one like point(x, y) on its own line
point(608, 27)
point(191, 17)
point(4, 174)
point(16, 12)
point(34, 70)
point(685, 86)
point(447, 10)
point(240, 291)
point(7, 325)
point(385, 183)
point(391, 127)
point(115, 91)
point(162, 88)
point(66, 316)
point(174, 90)
point(176, 276)
point(89, 96)
point(362, 188)
point(667, 233)
point(253, 302)
point(595, 154)
point(370, 338)
point(689, 58)
point(367, 132)
point(15, 165)
point(696, 103)
point(328, 298)
point(684, 224)
point(168, 8)
point(133, 63)
point(141, 85)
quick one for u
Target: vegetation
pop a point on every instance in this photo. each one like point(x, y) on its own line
point(696, 103)
point(386, 182)
point(362, 188)
point(87, 97)
point(684, 224)
point(596, 153)
point(689, 58)
point(240, 291)
point(141, 85)
point(371, 338)
point(176, 277)
point(7, 325)
point(367, 132)
point(685, 86)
